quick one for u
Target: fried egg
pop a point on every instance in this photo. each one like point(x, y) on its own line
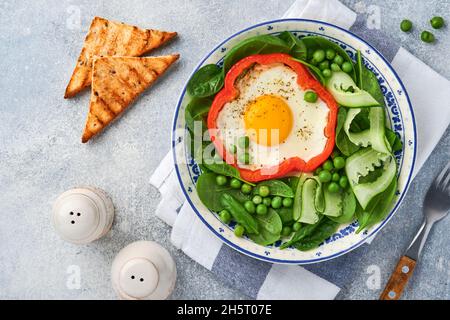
point(270, 109)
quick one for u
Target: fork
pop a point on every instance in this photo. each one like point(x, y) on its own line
point(435, 207)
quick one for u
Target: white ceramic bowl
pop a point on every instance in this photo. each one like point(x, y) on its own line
point(401, 119)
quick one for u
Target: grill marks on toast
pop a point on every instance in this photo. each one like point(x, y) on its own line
point(110, 38)
point(116, 82)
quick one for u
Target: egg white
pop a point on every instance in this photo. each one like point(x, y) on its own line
point(306, 139)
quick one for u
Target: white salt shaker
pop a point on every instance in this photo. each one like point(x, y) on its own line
point(82, 215)
point(143, 270)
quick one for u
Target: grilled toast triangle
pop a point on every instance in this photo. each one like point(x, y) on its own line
point(110, 38)
point(116, 82)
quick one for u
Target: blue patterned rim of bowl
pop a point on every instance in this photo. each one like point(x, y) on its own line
point(401, 118)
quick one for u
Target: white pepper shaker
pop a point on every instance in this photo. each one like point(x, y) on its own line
point(143, 270)
point(82, 215)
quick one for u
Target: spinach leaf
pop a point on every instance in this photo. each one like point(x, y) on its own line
point(210, 192)
point(325, 229)
point(291, 181)
point(362, 216)
point(198, 150)
point(277, 188)
point(303, 232)
point(358, 70)
point(264, 237)
point(260, 44)
point(367, 80)
point(343, 143)
point(286, 215)
point(373, 175)
point(314, 43)
point(361, 121)
point(208, 161)
point(270, 221)
point(269, 227)
point(239, 213)
point(377, 209)
point(371, 85)
point(394, 140)
point(221, 167)
point(207, 81)
point(297, 47)
point(314, 70)
point(196, 110)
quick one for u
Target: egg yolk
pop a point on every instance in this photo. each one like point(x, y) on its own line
point(268, 120)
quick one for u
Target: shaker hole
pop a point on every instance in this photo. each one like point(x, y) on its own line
point(78, 214)
point(132, 277)
point(71, 213)
point(72, 222)
point(141, 279)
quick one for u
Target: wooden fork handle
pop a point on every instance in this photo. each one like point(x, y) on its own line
point(399, 279)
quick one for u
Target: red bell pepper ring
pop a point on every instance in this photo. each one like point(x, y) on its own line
point(307, 82)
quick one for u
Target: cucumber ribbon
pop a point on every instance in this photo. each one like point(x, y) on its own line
point(375, 136)
point(308, 201)
point(333, 203)
point(346, 92)
point(360, 164)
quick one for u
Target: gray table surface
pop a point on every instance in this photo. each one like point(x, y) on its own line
point(41, 154)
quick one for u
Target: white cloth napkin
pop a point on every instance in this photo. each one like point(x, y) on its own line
point(430, 96)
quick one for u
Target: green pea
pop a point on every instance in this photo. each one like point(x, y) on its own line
point(286, 231)
point(287, 202)
point(437, 22)
point(221, 180)
point(264, 191)
point(339, 162)
point(347, 67)
point(326, 73)
point(338, 60)
point(249, 206)
point(343, 182)
point(277, 202)
point(225, 216)
point(325, 176)
point(333, 187)
point(427, 36)
point(319, 55)
point(257, 199)
point(335, 177)
point(296, 226)
point(310, 96)
point(324, 65)
point(235, 183)
point(328, 165)
point(233, 149)
point(267, 202)
point(330, 54)
point(243, 142)
point(239, 231)
point(406, 25)
point(246, 188)
point(318, 170)
point(261, 209)
point(244, 158)
point(335, 67)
